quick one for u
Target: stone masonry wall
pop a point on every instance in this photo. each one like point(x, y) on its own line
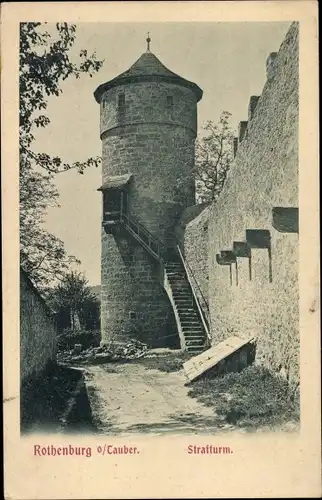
point(154, 141)
point(37, 331)
point(264, 175)
point(151, 135)
point(196, 251)
point(135, 304)
point(157, 155)
point(147, 102)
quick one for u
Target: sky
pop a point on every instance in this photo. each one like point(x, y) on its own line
point(227, 60)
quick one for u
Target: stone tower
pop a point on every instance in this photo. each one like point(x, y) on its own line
point(148, 122)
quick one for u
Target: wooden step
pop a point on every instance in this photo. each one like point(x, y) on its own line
point(195, 343)
point(190, 322)
point(195, 338)
point(193, 333)
point(195, 330)
point(188, 314)
point(179, 288)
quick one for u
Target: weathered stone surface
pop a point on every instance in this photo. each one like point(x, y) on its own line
point(235, 143)
point(196, 250)
point(157, 157)
point(37, 331)
point(267, 163)
point(252, 106)
point(264, 175)
point(270, 69)
point(134, 303)
point(146, 102)
point(242, 131)
point(151, 137)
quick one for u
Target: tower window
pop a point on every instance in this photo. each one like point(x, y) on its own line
point(121, 101)
point(170, 101)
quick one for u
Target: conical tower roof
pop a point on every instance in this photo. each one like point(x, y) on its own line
point(147, 68)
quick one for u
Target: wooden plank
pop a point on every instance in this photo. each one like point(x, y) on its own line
point(207, 360)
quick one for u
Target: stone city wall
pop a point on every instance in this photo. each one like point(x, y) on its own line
point(260, 296)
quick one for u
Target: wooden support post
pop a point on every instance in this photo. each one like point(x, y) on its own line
point(241, 249)
point(260, 238)
point(270, 271)
point(236, 268)
point(250, 267)
point(121, 210)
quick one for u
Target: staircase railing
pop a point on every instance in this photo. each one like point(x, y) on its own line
point(152, 243)
point(205, 318)
point(156, 247)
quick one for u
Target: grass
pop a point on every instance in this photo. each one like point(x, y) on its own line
point(252, 398)
point(44, 401)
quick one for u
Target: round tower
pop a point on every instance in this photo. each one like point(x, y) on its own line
point(148, 124)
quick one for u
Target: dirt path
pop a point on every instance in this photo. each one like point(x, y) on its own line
point(130, 398)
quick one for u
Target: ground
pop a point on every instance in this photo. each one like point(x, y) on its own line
point(149, 395)
point(129, 398)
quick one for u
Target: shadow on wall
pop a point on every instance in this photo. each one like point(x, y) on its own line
point(284, 220)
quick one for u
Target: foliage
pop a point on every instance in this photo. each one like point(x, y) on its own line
point(89, 314)
point(45, 63)
point(214, 155)
point(67, 339)
point(254, 397)
point(73, 297)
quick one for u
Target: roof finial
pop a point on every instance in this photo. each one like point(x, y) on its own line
point(148, 40)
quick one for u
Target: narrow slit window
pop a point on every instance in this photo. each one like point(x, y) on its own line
point(170, 102)
point(121, 101)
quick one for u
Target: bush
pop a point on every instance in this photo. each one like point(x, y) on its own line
point(68, 338)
